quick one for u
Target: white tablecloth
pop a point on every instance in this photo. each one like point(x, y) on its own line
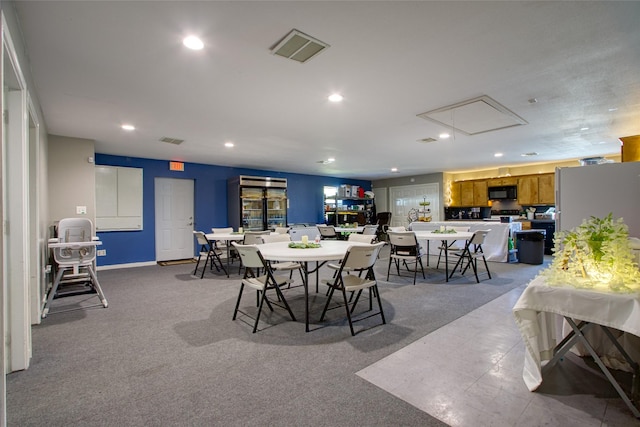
point(538, 316)
point(495, 246)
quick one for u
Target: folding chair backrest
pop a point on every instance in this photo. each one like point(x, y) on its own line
point(361, 257)
point(327, 231)
point(402, 238)
point(478, 237)
point(397, 229)
point(222, 230)
point(296, 233)
point(362, 238)
point(281, 230)
point(75, 230)
point(201, 238)
point(370, 230)
point(250, 255)
point(272, 238)
point(403, 242)
point(254, 237)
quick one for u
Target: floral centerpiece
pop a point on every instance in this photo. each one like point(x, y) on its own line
point(595, 255)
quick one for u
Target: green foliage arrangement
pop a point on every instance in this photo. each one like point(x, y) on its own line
point(594, 255)
point(449, 231)
point(300, 245)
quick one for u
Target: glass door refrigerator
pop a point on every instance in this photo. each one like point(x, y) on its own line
point(257, 203)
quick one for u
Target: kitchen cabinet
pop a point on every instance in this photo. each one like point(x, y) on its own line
point(501, 182)
point(340, 210)
point(455, 194)
point(546, 189)
point(480, 193)
point(466, 193)
point(528, 190)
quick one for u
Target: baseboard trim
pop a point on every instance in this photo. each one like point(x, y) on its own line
point(128, 265)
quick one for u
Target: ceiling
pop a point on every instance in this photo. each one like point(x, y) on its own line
point(98, 65)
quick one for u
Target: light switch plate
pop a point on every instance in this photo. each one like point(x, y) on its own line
point(81, 210)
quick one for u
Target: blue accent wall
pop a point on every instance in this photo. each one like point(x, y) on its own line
point(305, 193)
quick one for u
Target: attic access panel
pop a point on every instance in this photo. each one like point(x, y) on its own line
point(478, 115)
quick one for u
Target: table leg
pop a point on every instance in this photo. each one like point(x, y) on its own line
point(306, 296)
point(446, 260)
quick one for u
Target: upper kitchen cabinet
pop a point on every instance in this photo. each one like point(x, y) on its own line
point(466, 193)
point(528, 190)
point(480, 193)
point(501, 182)
point(546, 189)
point(536, 189)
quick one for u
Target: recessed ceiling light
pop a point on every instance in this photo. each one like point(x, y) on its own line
point(331, 160)
point(336, 97)
point(444, 135)
point(611, 110)
point(498, 155)
point(128, 127)
point(193, 42)
point(583, 129)
point(394, 169)
point(229, 144)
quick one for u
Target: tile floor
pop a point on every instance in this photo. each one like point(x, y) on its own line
point(469, 373)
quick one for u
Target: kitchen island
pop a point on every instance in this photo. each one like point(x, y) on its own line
point(496, 245)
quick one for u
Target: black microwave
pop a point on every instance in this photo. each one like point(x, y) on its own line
point(508, 192)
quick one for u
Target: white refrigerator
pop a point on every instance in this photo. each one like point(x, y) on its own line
point(597, 190)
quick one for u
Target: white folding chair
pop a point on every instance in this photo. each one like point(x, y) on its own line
point(357, 258)
point(211, 254)
point(289, 266)
point(471, 252)
point(404, 250)
point(254, 262)
point(74, 253)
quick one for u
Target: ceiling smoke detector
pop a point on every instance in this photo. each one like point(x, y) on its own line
point(429, 139)
point(298, 46)
point(174, 141)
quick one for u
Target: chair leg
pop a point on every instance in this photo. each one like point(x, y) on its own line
point(235, 311)
point(96, 286)
point(197, 264)
point(346, 305)
point(52, 292)
point(384, 320)
point(281, 295)
point(326, 306)
point(255, 325)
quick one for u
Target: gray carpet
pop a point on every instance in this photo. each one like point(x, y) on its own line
point(166, 352)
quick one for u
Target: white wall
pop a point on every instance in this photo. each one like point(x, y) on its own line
point(72, 179)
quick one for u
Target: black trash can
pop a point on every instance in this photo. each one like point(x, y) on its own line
point(530, 244)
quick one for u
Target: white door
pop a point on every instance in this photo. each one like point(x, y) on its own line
point(174, 218)
point(408, 197)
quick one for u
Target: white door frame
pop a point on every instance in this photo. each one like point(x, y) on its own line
point(174, 218)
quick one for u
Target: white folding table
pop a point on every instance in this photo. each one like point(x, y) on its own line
point(536, 313)
point(329, 250)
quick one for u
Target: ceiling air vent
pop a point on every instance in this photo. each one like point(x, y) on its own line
point(425, 140)
point(298, 46)
point(174, 141)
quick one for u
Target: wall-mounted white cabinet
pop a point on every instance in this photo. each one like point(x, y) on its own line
point(118, 198)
